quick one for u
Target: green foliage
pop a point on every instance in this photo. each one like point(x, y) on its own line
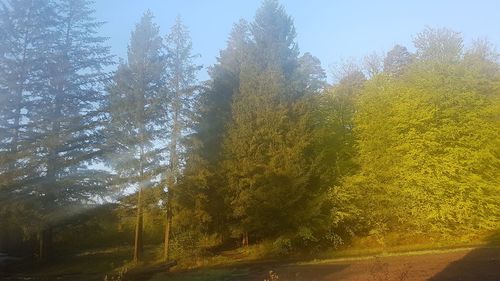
point(428, 147)
point(268, 150)
point(264, 150)
point(438, 44)
point(136, 102)
point(51, 113)
point(397, 60)
point(181, 84)
point(201, 193)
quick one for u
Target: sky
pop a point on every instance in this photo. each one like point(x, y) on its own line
point(329, 29)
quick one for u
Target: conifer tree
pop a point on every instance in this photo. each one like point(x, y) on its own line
point(202, 195)
point(182, 88)
point(58, 91)
point(269, 170)
point(137, 112)
point(25, 30)
point(397, 59)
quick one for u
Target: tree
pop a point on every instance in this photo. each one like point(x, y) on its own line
point(427, 146)
point(182, 86)
point(310, 76)
point(58, 88)
point(373, 64)
point(23, 42)
point(266, 159)
point(397, 60)
point(335, 138)
point(201, 197)
point(438, 44)
point(138, 117)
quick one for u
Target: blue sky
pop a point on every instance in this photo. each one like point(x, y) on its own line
point(331, 30)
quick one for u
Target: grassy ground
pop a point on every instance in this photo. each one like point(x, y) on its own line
point(236, 263)
point(425, 253)
point(436, 265)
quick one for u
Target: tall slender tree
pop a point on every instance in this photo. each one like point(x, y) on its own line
point(137, 103)
point(182, 87)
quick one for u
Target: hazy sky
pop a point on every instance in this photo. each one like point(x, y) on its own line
point(331, 30)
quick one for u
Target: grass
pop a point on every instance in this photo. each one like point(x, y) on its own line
point(399, 243)
point(89, 262)
point(228, 265)
point(361, 249)
point(343, 258)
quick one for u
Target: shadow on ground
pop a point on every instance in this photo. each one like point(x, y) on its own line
point(480, 264)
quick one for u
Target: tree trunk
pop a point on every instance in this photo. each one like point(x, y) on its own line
point(168, 224)
point(4, 239)
point(44, 244)
point(174, 171)
point(244, 239)
point(19, 104)
point(138, 241)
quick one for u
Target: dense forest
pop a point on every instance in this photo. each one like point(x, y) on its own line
point(99, 152)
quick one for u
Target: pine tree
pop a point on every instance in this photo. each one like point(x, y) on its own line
point(397, 60)
point(25, 31)
point(63, 61)
point(269, 170)
point(182, 87)
point(202, 194)
point(137, 107)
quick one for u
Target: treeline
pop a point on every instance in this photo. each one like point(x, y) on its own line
point(264, 150)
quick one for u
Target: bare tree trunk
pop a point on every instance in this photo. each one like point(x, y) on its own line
point(168, 224)
point(41, 246)
point(4, 238)
point(244, 240)
point(44, 244)
point(138, 241)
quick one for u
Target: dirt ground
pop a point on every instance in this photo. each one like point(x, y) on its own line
point(468, 265)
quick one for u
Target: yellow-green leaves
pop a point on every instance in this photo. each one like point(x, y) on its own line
point(427, 145)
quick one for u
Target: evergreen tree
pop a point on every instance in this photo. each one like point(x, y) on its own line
point(270, 172)
point(202, 195)
point(182, 87)
point(58, 92)
point(25, 32)
point(138, 117)
point(397, 60)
